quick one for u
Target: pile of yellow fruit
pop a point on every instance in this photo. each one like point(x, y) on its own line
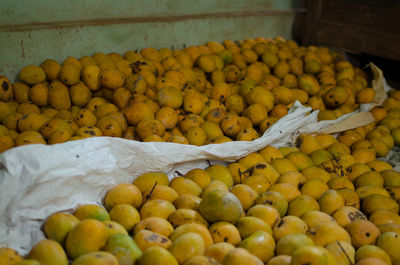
point(198, 95)
point(325, 201)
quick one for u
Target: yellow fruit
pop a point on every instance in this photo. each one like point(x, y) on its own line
point(282, 95)
point(48, 252)
point(187, 201)
point(225, 232)
point(187, 246)
point(170, 96)
point(316, 172)
point(289, 225)
point(28, 262)
point(29, 137)
point(59, 97)
point(126, 215)
point(88, 131)
point(157, 256)
point(9, 256)
point(21, 92)
point(261, 244)
point(200, 176)
point(371, 251)
point(6, 142)
point(308, 144)
point(342, 251)
point(368, 190)
point(148, 127)
point(350, 197)
point(121, 97)
point(109, 126)
point(313, 255)
point(80, 94)
point(280, 260)
point(60, 136)
point(326, 233)
point(245, 194)
point(91, 211)
point(31, 122)
point(146, 239)
point(365, 95)
point(114, 228)
point(32, 74)
point(274, 199)
point(218, 251)
point(370, 178)
point(362, 232)
point(123, 193)
point(289, 243)
point(312, 66)
point(97, 257)
point(156, 208)
point(160, 192)
point(261, 95)
point(309, 83)
point(186, 216)
point(239, 256)
point(330, 201)
point(288, 190)
point(313, 218)
point(38, 94)
point(154, 224)
point(91, 77)
point(77, 243)
point(221, 173)
point(389, 242)
point(136, 112)
point(347, 214)
point(376, 202)
point(206, 62)
point(51, 68)
point(302, 204)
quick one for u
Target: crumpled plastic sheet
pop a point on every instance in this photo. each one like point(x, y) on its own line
point(39, 180)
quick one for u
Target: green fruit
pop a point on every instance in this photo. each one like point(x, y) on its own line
point(123, 248)
point(220, 205)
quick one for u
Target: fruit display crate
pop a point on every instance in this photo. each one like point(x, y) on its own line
point(230, 142)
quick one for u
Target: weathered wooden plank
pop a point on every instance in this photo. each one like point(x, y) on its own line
point(375, 15)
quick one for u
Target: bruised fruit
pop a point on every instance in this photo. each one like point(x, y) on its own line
point(146, 239)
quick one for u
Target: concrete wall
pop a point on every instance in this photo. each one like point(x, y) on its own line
point(34, 30)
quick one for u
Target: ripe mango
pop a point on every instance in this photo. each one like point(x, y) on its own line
point(48, 252)
point(78, 243)
point(220, 205)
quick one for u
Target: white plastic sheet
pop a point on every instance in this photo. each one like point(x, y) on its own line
point(38, 180)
